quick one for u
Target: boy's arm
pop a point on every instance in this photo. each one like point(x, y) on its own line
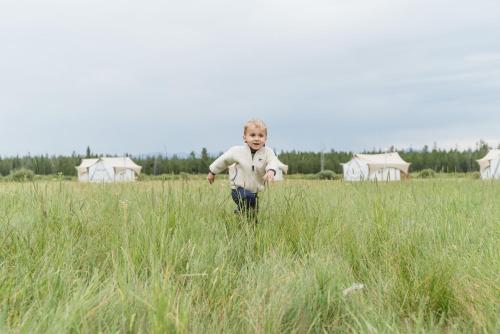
point(272, 166)
point(269, 176)
point(220, 164)
point(211, 177)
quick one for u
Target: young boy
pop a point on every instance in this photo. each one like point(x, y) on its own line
point(253, 165)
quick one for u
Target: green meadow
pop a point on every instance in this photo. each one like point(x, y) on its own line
point(172, 257)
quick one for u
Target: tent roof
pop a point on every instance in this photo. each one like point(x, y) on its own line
point(87, 163)
point(115, 162)
point(379, 161)
point(485, 161)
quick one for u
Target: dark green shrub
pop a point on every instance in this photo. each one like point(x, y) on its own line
point(426, 173)
point(21, 175)
point(327, 175)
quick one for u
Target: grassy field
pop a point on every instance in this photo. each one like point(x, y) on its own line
point(171, 256)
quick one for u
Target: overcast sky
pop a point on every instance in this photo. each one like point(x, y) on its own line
point(154, 76)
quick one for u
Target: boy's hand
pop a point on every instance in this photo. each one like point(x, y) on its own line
point(269, 176)
point(210, 177)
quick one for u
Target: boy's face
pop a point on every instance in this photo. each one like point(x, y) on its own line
point(255, 137)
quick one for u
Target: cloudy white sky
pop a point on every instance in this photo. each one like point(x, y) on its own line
point(155, 76)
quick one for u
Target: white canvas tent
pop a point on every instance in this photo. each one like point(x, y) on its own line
point(282, 169)
point(375, 167)
point(489, 166)
point(105, 169)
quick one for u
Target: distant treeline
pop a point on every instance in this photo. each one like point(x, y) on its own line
point(437, 159)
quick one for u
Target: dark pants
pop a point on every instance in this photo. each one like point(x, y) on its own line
point(245, 199)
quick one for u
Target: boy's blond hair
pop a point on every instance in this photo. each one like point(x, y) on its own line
point(258, 123)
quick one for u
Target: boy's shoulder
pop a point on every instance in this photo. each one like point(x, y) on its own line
point(237, 148)
point(267, 150)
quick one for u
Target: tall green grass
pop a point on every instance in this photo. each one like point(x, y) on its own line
point(171, 256)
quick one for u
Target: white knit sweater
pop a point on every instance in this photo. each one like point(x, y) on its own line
point(249, 172)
